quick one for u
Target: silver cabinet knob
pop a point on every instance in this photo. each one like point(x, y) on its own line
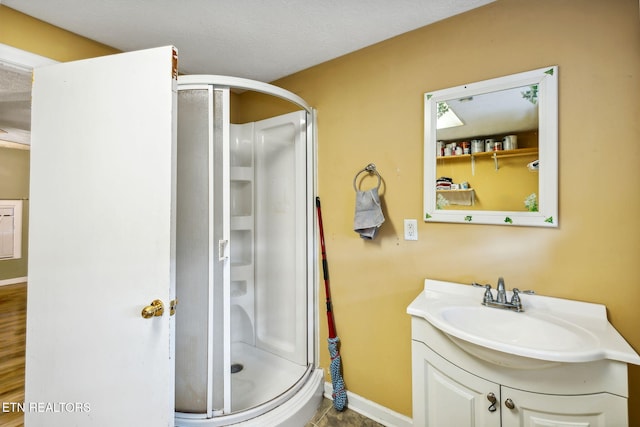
point(509, 404)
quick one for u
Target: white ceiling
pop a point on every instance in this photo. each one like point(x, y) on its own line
point(256, 39)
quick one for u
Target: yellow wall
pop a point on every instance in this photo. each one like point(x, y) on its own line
point(370, 110)
point(35, 36)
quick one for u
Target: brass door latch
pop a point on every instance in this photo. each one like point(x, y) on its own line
point(155, 309)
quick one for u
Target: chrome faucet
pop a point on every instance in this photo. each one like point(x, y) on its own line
point(501, 297)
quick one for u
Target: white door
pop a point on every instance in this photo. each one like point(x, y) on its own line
point(102, 240)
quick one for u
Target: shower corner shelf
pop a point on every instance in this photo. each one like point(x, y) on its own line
point(242, 222)
point(238, 288)
point(242, 173)
point(242, 271)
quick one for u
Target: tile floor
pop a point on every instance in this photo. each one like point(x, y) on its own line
point(327, 416)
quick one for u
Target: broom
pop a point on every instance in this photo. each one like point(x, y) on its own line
point(339, 392)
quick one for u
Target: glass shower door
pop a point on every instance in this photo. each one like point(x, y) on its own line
point(202, 253)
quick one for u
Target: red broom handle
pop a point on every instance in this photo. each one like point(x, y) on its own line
point(325, 271)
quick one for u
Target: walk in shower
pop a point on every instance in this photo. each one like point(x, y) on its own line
point(245, 256)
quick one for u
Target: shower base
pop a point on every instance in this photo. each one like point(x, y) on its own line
point(263, 377)
point(262, 394)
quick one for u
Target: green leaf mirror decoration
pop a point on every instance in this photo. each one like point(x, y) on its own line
point(531, 95)
point(442, 109)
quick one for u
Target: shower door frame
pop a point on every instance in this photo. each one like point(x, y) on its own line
point(214, 83)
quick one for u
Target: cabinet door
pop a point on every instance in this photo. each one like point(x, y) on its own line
point(445, 395)
point(545, 410)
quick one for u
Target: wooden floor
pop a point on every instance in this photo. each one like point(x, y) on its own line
point(13, 317)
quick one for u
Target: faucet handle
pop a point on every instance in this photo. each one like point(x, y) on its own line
point(528, 292)
point(515, 298)
point(488, 296)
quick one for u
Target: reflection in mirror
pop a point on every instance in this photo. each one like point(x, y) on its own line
point(503, 122)
point(491, 151)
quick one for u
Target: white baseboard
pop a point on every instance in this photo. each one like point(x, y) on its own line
point(13, 281)
point(372, 410)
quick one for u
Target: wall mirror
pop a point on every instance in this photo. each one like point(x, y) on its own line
point(491, 151)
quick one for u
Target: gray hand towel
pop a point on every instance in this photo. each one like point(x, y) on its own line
point(368, 217)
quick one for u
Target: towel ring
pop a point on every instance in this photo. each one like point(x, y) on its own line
point(371, 169)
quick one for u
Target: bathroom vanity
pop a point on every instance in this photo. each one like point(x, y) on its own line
point(557, 363)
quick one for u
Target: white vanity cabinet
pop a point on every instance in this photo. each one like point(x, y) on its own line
point(555, 363)
point(447, 395)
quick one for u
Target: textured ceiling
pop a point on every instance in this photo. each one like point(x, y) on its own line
point(256, 39)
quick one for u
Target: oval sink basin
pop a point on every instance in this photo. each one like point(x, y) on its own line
point(519, 329)
point(514, 333)
point(550, 331)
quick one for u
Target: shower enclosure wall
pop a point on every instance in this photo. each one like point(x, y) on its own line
point(245, 256)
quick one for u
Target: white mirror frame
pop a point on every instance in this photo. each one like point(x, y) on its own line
point(547, 216)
